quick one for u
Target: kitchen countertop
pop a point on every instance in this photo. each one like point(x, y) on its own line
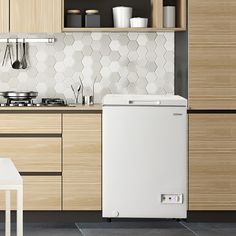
point(71, 108)
point(97, 108)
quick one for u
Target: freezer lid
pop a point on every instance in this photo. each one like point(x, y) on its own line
point(143, 100)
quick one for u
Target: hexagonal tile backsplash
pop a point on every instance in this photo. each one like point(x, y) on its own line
point(137, 63)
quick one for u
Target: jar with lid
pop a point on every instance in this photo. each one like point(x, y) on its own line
point(92, 19)
point(73, 18)
point(169, 17)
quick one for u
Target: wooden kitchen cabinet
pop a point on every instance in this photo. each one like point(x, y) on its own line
point(58, 155)
point(82, 162)
point(32, 154)
point(212, 162)
point(35, 16)
point(212, 54)
point(4, 16)
point(40, 193)
point(29, 123)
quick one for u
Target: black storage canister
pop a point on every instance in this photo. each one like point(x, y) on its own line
point(73, 18)
point(92, 19)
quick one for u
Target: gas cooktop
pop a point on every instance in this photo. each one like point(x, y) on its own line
point(46, 102)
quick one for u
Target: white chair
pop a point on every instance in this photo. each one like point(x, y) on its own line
point(10, 180)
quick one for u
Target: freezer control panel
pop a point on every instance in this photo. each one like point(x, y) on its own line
point(172, 198)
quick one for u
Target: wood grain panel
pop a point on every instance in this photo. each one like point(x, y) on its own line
point(157, 13)
point(181, 14)
point(35, 16)
point(62, 14)
point(33, 154)
point(82, 162)
point(4, 16)
point(86, 197)
point(212, 81)
point(123, 29)
point(212, 54)
point(212, 21)
point(212, 162)
point(30, 123)
point(40, 193)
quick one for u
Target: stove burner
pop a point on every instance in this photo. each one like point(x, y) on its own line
point(24, 103)
point(53, 102)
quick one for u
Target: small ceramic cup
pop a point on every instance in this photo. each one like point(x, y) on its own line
point(139, 22)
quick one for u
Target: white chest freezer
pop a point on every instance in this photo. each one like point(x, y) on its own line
point(144, 160)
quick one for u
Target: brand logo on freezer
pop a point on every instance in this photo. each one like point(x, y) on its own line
point(177, 114)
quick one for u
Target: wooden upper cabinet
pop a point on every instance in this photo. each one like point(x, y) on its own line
point(212, 54)
point(35, 16)
point(4, 16)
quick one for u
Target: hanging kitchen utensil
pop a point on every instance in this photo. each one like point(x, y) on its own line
point(10, 53)
point(17, 64)
point(7, 53)
point(23, 60)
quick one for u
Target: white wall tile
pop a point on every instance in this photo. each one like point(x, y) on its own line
point(122, 63)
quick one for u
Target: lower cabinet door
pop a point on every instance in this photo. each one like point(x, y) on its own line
point(212, 162)
point(33, 154)
point(40, 193)
point(82, 162)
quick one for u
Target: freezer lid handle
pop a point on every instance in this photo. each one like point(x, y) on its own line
point(145, 102)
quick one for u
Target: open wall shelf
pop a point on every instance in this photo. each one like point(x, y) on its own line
point(151, 9)
point(122, 29)
point(157, 13)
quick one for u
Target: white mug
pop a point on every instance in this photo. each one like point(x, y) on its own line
point(121, 16)
point(138, 22)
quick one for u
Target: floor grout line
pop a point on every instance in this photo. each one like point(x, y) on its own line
point(80, 230)
point(186, 227)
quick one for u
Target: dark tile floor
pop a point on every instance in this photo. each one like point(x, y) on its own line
point(43, 229)
point(162, 228)
point(212, 229)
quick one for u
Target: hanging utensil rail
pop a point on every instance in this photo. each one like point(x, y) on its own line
point(27, 40)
